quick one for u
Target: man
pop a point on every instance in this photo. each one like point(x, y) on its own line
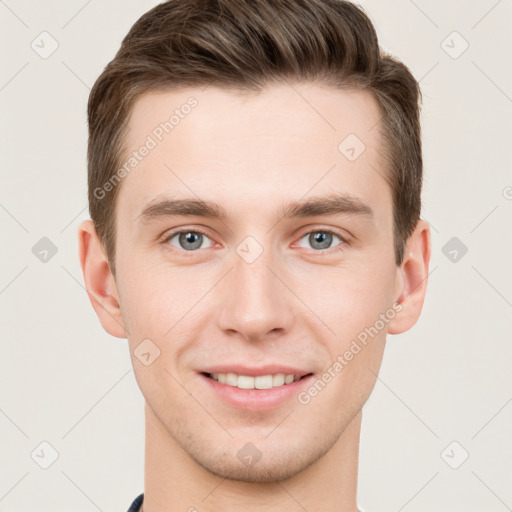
point(255, 177)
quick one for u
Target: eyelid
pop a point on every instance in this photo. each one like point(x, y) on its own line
point(345, 238)
point(166, 237)
point(342, 233)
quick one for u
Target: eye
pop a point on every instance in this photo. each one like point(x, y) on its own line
point(188, 240)
point(321, 239)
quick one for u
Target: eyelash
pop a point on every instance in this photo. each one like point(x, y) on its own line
point(344, 240)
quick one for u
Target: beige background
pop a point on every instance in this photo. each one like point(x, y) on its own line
point(64, 381)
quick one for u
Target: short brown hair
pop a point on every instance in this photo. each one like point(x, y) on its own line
point(244, 45)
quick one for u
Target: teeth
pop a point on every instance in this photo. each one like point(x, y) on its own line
point(259, 382)
point(263, 382)
point(245, 382)
point(231, 379)
point(278, 379)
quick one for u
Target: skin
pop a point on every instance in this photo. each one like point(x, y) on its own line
point(295, 304)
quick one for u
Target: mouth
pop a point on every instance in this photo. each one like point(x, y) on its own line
point(263, 388)
point(257, 382)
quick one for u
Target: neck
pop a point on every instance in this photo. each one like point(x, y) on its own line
point(173, 479)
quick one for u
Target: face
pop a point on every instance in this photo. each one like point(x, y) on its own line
point(267, 285)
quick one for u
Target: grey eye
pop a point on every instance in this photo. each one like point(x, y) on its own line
point(320, 240)
point(189, 240)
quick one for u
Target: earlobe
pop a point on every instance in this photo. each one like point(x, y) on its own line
point(99, 282)
point(414, 271)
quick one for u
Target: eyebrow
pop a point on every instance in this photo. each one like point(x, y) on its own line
point(331, 204)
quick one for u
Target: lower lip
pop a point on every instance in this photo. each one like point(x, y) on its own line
point(256, 399)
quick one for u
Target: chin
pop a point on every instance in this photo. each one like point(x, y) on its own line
point(264, 471)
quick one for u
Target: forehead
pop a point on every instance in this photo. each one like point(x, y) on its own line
point(253, 151)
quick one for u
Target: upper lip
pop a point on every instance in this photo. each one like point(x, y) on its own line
point(268, 369)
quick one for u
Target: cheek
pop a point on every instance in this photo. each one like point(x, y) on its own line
point(359, 312)
point(148, 306)
point(158, 300)
point(167, 306)
point(348, 298)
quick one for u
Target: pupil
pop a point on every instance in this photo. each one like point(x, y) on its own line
point(322, 239)
point(191, 238)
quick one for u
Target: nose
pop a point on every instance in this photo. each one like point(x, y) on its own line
point(254, 301)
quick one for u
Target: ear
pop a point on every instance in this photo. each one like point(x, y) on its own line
point(412, 279)
point(99, 281)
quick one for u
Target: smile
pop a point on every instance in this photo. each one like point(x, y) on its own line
point(250, 382)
